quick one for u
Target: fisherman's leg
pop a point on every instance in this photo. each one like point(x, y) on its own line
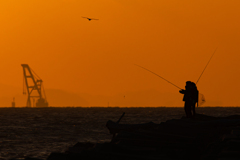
point(193, 109)
point(189, 111)
point(187, 108)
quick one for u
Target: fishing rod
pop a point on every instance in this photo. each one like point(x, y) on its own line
point(206, 65)
point(171, 82)
point(158, 76)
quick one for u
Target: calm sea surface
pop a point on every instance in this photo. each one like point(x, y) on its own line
point(36, 132)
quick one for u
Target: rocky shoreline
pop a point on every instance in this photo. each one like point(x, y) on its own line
point(201, 138)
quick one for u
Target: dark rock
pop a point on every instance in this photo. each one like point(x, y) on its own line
point(201, 138)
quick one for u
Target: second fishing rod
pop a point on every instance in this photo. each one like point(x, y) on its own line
point(173, 83)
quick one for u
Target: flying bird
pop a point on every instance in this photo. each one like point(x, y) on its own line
point(90, 18)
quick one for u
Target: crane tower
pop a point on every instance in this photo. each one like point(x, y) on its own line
point(33, 85)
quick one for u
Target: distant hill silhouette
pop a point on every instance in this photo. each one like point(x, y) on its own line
point(61, 98)
point(57, 97)
point(143, 98)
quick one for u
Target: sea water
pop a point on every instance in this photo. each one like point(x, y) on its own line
point(36, 132)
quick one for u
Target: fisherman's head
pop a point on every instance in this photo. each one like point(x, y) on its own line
point(188, 84)
point(194, 85)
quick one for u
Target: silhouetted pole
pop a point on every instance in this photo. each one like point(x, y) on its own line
point(206, 65)
point(121, 117)
point(13, 102)
point(117, 123)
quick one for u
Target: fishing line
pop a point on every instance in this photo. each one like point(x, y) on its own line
point(158, 75)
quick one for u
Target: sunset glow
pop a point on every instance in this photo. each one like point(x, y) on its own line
point(91, 63)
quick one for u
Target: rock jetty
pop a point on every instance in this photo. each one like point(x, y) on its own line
point(201, 138)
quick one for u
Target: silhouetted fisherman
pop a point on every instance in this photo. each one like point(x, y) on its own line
point(190, 97)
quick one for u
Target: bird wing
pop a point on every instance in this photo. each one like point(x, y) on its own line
point(90, 18)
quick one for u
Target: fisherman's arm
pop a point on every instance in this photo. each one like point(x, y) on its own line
point(182, 91)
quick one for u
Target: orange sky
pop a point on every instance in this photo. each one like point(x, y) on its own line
point(173, 38)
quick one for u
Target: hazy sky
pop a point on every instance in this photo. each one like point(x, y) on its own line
point(174, 38)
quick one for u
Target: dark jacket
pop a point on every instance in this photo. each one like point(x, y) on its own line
point(190, 93)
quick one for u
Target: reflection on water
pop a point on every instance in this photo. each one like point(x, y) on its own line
point(36, 132)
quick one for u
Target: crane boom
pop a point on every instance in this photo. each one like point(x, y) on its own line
point(34, 87)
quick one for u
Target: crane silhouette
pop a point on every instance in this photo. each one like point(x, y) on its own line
point(90, 18)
